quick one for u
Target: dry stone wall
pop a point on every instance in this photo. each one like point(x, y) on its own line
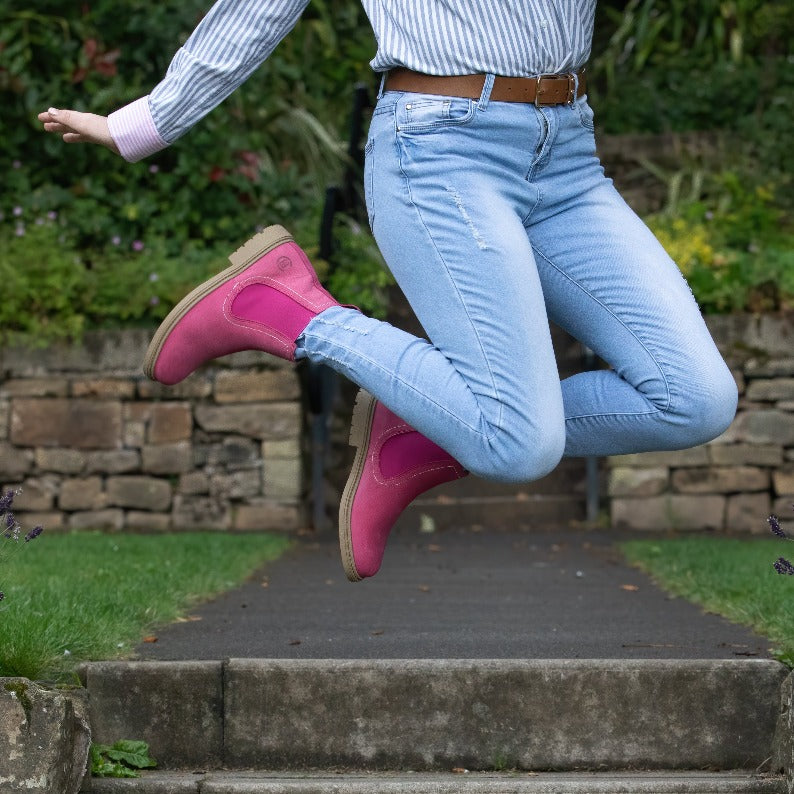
point(733, 483)
point(93, 443)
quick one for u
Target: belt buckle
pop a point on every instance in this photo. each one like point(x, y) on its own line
point(571, 95)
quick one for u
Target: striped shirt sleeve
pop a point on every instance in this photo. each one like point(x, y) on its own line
point(232, 40)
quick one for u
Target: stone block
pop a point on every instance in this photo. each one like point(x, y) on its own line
point(236, 485)
point(720, 479)
point(200, 512)
point(270, 421)
point(167, 458)
point(783, 758)
point(695, 456)
point(104, 388)
point(268, 515)
point(194, 482)
point(231, 453)
point(141, 493)
point(82, 494)
point(134, 434)
point(62, 461)
point(284, 448)
point(771, 389)
point(177, 707)
point(170, 422)
point(35, 387)
point(97, 519)
point(49, 519)
point(100, 351)
point(746, 454)
point(747, 512)
point(14, 462)
point(764, 367)
point(770, 335)
point(44, 739)
point(562, 714)
point(197, 387)
point(247, 387)
point(768, 427)
point(76, 423)
point(283, 478)
point(629, 481)
point(151, 522)
point(783, 480)
point(38, 494)
point(669, 511)
point(118, 461)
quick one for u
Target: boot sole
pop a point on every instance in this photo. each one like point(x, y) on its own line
point(360, 430)
point(255, 248)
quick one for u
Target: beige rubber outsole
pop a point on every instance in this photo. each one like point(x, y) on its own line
point(259, 245)
point(360, 428)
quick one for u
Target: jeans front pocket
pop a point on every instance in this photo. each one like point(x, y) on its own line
point(422, 113)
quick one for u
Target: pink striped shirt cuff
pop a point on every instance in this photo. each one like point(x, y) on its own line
point(133, 131)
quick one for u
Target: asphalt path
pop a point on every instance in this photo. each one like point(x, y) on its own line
point(458, 594)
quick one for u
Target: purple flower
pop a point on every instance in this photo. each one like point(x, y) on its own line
point(153, 169)
point(783, 566)
point(115, 239)
point(20, 230)
point(33, 534)
point(17, 211)
point(6, 500)
point(52, 215)
point(137, 245)
point(774, 523)
point(154, 277)
point(154, 300)
point(16, 164)
point(39, 221)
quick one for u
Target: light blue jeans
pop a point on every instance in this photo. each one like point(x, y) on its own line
point(495, 217)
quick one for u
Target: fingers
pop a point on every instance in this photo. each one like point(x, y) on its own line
point(77, 127)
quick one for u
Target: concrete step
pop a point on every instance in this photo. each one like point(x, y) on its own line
point(442, 783)
point(435, 715)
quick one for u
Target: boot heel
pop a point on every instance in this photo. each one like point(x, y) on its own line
point(259, 245)
point(361, 422)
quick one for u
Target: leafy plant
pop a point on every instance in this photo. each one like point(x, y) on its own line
point(123, 759)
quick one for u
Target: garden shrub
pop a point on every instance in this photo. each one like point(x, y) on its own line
point(88, 240)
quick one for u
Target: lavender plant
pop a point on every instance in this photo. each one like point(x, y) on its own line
point(782, 565)
point(11, 537)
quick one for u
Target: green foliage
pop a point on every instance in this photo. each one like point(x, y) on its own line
point(122, 759)
point(731, 240)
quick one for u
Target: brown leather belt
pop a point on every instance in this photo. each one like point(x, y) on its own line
point(547, 89)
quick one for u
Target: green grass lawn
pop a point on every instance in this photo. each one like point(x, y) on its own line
point(88, 595)
point(729, 576)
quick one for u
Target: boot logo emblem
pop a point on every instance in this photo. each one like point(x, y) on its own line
point(283, 263)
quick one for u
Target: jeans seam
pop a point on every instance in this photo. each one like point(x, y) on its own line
point(498, 424)
point(372, 362)
point(625, 325)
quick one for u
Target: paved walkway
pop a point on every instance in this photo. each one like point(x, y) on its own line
point(457, 594)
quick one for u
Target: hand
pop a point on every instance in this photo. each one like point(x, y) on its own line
point(77, 127)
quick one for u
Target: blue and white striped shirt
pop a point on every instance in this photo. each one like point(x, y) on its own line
point(519, 38)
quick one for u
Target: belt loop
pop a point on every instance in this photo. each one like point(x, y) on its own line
point(382, 85)
point(486, 91)
point(575, 88)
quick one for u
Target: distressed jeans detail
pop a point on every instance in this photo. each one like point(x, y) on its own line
point(495, 218)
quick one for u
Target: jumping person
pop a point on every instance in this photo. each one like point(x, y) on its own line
point(491, 209)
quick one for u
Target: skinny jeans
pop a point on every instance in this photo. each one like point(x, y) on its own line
point(495, 218)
